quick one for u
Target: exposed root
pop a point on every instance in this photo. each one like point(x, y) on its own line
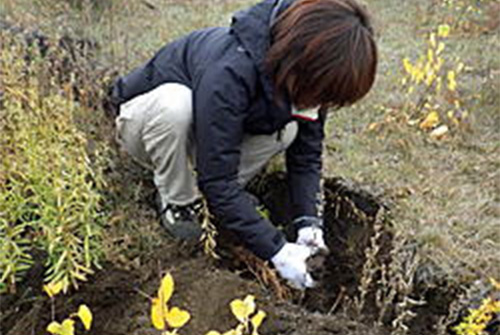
point(264, 274)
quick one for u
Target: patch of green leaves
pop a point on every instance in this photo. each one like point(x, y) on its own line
point(49, 188)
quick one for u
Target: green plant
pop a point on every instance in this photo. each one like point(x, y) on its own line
point(49, 188)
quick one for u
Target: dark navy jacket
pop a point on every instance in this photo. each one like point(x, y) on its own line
point(233, 96)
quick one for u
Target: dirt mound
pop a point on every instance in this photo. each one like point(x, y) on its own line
point(119, 296)
point(117, 299)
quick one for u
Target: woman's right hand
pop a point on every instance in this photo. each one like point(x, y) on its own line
point(290, 262)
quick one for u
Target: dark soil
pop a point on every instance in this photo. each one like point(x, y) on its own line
point(201, 287)
point(117, 295)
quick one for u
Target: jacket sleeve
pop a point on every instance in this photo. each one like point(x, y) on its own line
point(221, 101)
point(303, 163)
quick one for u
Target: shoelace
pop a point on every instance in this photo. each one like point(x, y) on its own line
point(186, 212)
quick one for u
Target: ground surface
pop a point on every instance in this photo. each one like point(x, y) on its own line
point(443, 196)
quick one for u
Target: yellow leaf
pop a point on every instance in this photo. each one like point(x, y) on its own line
point(166, 288)
point(239, 310)
point(419, 75)
point(440, 48)
point(54, 327)
point(438, 64)
point(243, 308)
point(430, 55)
point(213, 332)
point(432, 40)
point(85, 315)
point(451, 116)
point(241, 328)
point(495, 283)
point(407, 65)
point(52, 289)
point(439, 84)
point(452, 84)
point(158, 312)
point(373, 126)
point(412, 122)
point(430, 78)
point(431, 120)
point(233, 332)
point(250, 303)
point(257, 320)
point(177, 317)
point(443, 30)
point(68, 327)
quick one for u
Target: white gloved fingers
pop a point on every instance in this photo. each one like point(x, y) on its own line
point(302, 282)
point(290, 262)
point(309, 282)
point(312, 237)
point(297, 278)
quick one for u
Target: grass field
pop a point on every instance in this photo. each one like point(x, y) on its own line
point(443, 193)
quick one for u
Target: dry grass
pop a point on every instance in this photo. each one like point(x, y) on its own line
point(446, 193)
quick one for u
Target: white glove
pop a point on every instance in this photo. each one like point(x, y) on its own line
point(290, 262)
point(312, 237)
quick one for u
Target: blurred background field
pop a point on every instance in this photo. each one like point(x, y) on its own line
point(432, 154)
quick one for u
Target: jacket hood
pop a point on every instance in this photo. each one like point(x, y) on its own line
point(252, 27)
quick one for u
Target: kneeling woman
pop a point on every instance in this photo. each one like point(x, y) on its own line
point(223, 101)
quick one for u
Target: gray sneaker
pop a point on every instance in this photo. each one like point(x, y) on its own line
point(181, 222)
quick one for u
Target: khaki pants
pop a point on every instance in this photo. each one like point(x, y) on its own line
point(155, 128)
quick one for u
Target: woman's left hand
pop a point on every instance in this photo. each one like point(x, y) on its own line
point(312, 237)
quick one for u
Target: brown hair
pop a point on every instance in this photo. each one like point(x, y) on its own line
point(323, 53)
